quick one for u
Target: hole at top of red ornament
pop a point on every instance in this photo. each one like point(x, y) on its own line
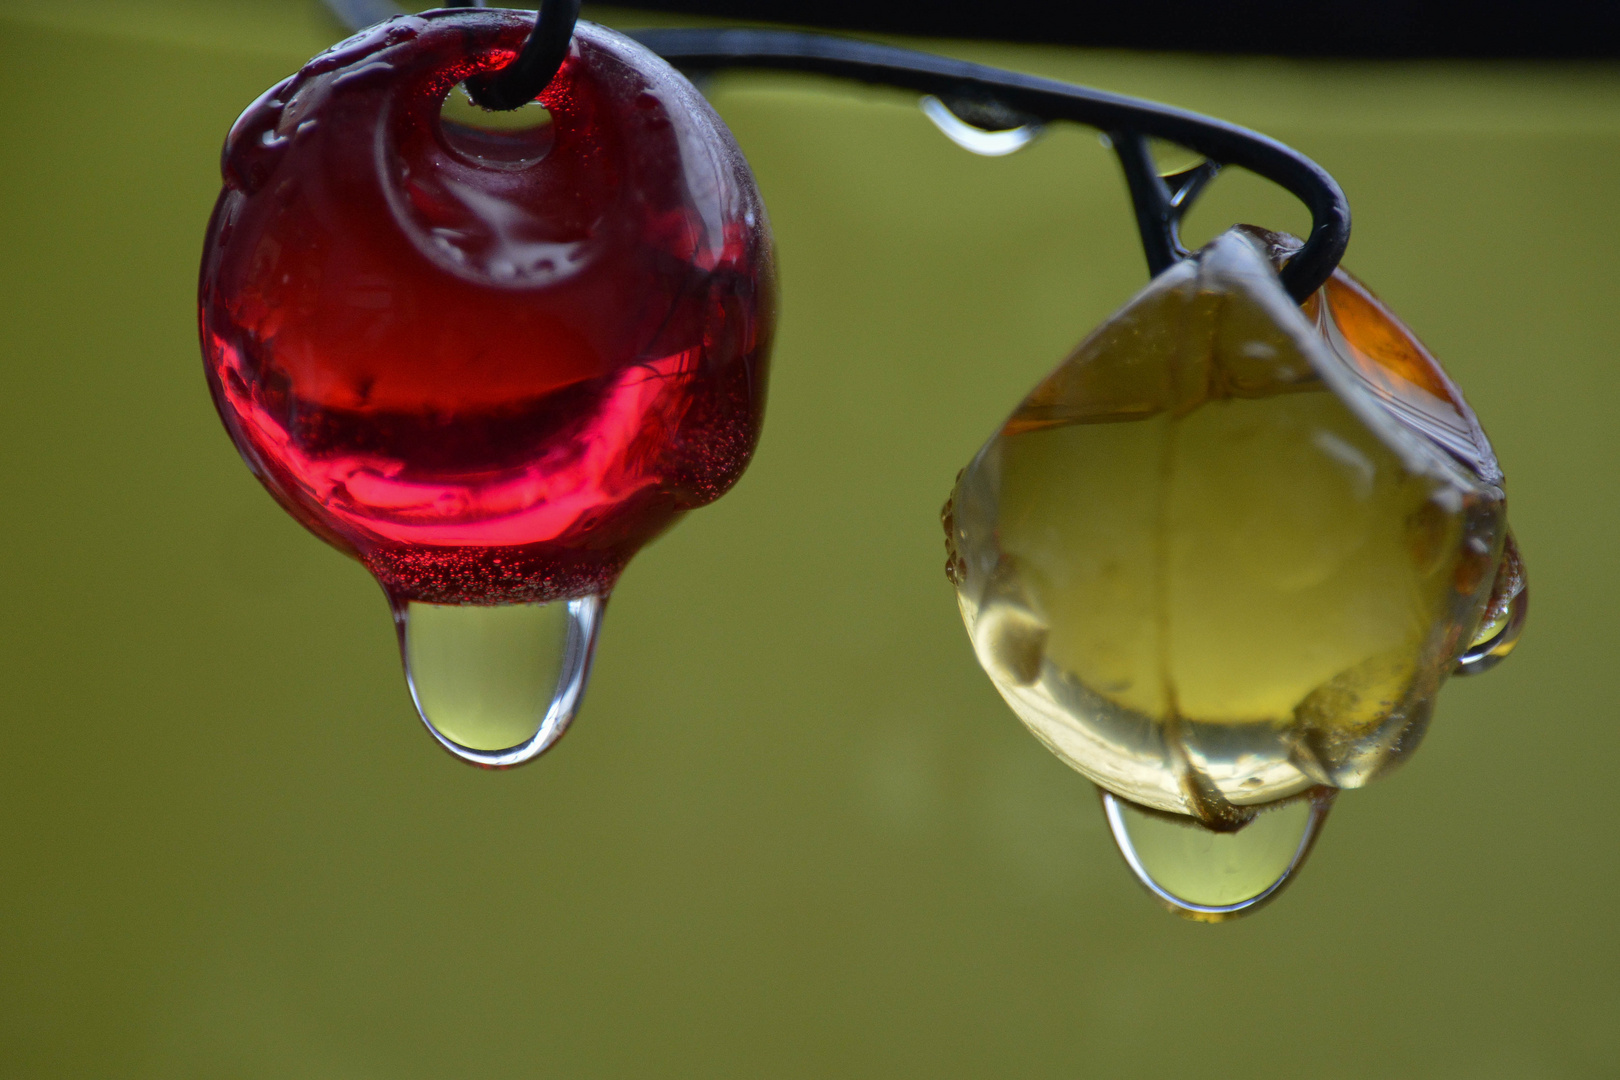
point(513, 139)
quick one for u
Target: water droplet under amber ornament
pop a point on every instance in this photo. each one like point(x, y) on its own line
point(1211, 875)
point(1226, 554)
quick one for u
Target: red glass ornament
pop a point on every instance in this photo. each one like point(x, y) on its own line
point(491, 365)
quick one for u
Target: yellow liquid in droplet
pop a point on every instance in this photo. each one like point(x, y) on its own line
point(485, 676)
point(1206, 569)
point(1217, 869)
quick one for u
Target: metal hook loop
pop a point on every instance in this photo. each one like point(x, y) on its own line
point(1159, 202)
point(535, 65)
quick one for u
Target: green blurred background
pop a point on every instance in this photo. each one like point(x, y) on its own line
point(794, 832)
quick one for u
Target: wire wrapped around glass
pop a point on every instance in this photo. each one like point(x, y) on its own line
point(1219, 561)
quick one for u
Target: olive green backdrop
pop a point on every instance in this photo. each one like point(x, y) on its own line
point(794, 832)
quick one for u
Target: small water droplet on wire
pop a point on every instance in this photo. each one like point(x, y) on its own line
point(978, 140)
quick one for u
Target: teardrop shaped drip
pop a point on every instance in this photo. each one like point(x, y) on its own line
point(1505, 613)
point(979, 140)
point(1486, 654)
point(1185, 186)
point(497, 685)
point(1210, 876)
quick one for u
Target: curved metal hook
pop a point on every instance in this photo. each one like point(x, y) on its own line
point(1125, 119)
point(535, 65)
point(974, 92)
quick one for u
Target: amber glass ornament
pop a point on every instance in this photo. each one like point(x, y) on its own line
point(1227, 553)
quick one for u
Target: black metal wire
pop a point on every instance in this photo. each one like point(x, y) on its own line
point(1160, 201)
point(975, 91)
point(1127, 119)
point(535, 65)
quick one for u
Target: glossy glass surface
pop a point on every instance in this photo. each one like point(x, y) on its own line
point(1226, 552)
point(490, 362)
point(796, 833)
